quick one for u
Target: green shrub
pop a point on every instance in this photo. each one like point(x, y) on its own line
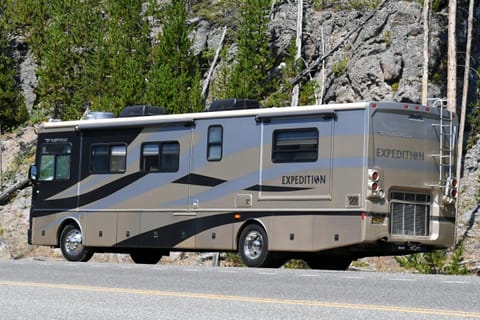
point(436, 262)
point(296, 264)
point(395, 86)
point(340, 67)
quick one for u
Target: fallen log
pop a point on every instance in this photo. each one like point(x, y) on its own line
point(17, 186)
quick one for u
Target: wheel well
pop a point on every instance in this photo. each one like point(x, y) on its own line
point(246, 224)
point(63, 225)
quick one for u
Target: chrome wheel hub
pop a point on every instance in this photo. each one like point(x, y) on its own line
point(73, 242)
point(253, 246)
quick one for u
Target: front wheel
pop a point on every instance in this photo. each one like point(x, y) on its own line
point(253, 247)
point(71, 244)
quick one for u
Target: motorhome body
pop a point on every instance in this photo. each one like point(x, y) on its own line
point(327, 184)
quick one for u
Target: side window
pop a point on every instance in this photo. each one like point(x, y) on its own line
point(55, 162)
point(108, 158)
point(160, 156)
point(295, 145)
point(215, 143)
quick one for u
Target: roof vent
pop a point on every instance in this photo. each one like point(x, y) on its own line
point(142, 110)
point(233, 104)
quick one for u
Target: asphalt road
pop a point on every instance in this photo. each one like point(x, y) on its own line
point(63, 290)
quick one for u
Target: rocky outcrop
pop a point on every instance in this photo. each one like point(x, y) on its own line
point(27, 71)
point(380, 60)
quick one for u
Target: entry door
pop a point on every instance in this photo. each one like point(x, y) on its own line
point(296, 159)
point(57, 162)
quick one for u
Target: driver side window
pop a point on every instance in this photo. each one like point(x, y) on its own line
point(55, 162)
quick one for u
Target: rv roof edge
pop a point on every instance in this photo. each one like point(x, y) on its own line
point(191, 117)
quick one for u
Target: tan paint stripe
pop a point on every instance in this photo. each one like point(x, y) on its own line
point(192, 295)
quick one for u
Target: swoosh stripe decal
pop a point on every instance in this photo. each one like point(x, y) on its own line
point(199, 180)
point(89, 197)
point(263, 188)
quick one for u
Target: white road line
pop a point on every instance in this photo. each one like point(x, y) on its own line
point(402, 279)
point(266, 273)
point(309, 275)
point(455, 282)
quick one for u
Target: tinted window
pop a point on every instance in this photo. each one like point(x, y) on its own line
point(299, 145)
point(105, 158)
point(160, 156)
point(215, 143)
point(55, 162)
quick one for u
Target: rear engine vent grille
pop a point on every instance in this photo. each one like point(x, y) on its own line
point(410, 213)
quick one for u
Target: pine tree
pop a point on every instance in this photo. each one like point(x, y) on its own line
point(174, 77)
point(58, 68)
point(250, 74)
point(117, 65)
point(12, 107)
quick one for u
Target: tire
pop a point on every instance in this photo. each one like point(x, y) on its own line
point(71, 244)
point(146, 256)
point(328, 263)
point(253, 247)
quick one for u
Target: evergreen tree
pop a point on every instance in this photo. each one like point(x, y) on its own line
point(174, 77)
point(58, 68)
point(31, 17)
point(12, 107)
point(117, 65)
point(250, 74)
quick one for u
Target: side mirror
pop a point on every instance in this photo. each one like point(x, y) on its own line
point(33, 174)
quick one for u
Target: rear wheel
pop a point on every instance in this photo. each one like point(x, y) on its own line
point(253, 247)
point(71, 244)
point(146, 256)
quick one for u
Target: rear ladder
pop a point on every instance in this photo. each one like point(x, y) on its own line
point(446, 134)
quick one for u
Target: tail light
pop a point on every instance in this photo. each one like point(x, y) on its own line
point(375, 187)
point(451, 190)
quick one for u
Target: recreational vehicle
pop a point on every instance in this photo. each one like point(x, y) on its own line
point(324, 183)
